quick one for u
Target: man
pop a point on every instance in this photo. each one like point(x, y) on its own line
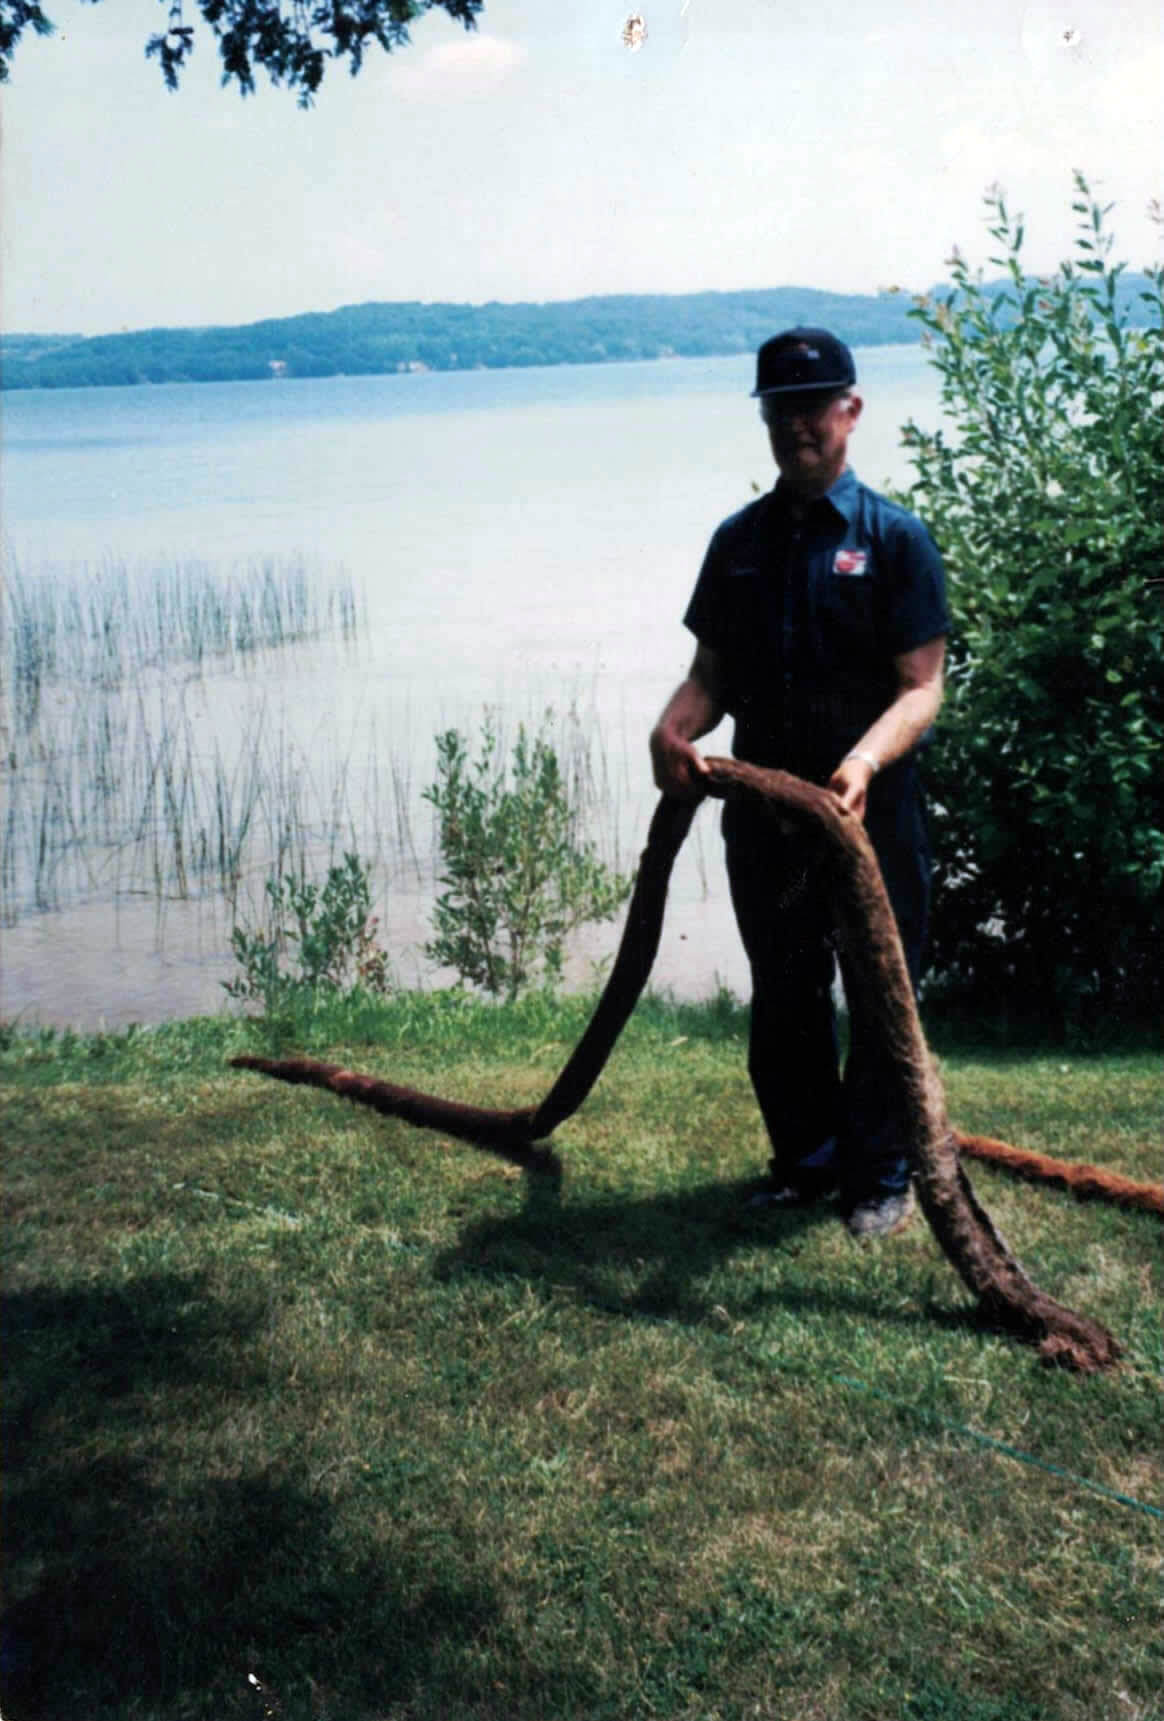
point(820, 618)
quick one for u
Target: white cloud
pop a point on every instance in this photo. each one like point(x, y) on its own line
point(470, 66)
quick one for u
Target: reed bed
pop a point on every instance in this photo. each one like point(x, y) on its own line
point(147, 750)
point(102, 626)
point(138, 756)
point(132, 800)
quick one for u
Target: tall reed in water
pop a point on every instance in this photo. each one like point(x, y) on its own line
point(103, 626)
point(140, 754)
point(107, 783)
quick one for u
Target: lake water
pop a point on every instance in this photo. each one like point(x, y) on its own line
point(522, 539)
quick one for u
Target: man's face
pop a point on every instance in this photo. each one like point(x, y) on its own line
point(809, 436)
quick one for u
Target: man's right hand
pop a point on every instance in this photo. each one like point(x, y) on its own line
point(693, 709)
point(679, 769)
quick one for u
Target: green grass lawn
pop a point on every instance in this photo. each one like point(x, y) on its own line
point(300, 1396)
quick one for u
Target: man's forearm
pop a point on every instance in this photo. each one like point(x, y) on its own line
point(899, 728)
point(692, 710)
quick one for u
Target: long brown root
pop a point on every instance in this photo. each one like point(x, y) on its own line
point(878, 990)
point(1086, 1182)
point(880, 996)
point(508, 1133)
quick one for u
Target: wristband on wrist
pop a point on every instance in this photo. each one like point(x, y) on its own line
point(866, 759)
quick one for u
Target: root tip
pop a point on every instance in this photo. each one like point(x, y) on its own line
point(1090, 1354)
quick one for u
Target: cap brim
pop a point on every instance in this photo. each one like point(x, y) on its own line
point(802, 388)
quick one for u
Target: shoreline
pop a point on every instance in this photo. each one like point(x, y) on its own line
point(286, 376)
point(403, 338)
point(63, 971)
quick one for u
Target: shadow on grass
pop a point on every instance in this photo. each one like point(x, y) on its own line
point(655, 1256)
point(143, 1583)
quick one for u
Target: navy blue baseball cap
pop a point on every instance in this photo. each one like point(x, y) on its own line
point(803, 361)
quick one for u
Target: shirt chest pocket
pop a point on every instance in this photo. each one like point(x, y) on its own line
point(846, 610)
point(750, 605)
point(751, 637)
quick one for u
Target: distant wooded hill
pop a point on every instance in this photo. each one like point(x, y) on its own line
point(362, 340)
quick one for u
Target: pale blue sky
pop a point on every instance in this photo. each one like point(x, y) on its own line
point(831, 143)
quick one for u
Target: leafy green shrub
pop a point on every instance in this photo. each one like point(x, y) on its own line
point(517, 879)
point(1043, 490)
point(318, 938)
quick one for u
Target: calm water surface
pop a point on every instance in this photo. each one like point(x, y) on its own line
point(522, 539)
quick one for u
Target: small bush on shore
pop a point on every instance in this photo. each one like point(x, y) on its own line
point(319, 937)
point(517, 878)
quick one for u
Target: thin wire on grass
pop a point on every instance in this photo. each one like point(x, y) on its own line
point(926, 1413)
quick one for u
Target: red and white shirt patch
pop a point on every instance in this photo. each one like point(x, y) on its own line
point(850, 562)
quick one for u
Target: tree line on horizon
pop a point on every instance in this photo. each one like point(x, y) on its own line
point(390, 337)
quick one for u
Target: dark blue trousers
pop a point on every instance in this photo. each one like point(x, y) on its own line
point(826, 1128)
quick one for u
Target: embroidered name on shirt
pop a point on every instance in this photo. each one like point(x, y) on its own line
point(850, 562)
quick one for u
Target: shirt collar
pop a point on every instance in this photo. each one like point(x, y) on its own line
point(842, 495)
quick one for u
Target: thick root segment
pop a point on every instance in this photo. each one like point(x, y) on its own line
point(1006, 1296)
point(508, 1133)
point(878, 989)
point(1085, 1182)
point(880, 995)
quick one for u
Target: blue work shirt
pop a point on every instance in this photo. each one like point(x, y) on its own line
point(806, 605)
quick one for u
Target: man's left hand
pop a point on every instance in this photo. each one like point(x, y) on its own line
point(850, 783)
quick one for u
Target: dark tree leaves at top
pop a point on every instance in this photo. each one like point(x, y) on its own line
point(293, 40)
